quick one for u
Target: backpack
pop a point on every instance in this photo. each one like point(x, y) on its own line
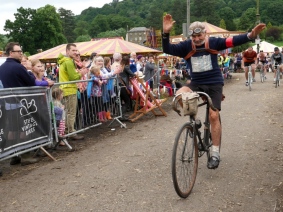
point(206, 48)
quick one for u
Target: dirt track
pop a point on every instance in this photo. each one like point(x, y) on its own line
point(129, 169)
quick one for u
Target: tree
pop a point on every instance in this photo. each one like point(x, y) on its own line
point(36, 29)
point(274, 32)
point(68, 23)
point(222, 24)
point(99, 24)
point(47, 28)
point(83, 38)
point(247, 20)
point(3, 42)
point(179, 12)
point(114, 33)
point(82, 28)
point(21, 29)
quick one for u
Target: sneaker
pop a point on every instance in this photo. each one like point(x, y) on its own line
point(247, 83)
point(15, 160)
point(28, 161)
point(254, 80)
point(213, 162)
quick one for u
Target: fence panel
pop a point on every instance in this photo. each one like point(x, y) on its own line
point(83, 111)
point(25, 122)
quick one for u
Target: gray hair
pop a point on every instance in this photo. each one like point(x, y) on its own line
point(196, 25)
point(117, 57)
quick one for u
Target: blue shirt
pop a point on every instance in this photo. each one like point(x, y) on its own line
point(14, 74)
point(203, 65)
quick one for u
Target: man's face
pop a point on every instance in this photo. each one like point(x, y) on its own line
point(198, 39)
point(72, 52)
point(16, 53)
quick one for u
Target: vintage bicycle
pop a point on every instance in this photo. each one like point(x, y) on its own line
point(277, 76)
point(250, 77)
point(191, 142)
point(261, 71)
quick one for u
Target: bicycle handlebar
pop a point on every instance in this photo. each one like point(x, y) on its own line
point(176, 99)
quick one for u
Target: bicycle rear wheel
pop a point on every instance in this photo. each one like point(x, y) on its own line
point(184, 160)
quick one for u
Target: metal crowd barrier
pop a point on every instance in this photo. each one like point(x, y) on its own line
point(25, 122)
point(90, 111)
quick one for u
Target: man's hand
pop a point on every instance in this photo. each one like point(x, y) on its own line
point(256, 30)
point(167, 23)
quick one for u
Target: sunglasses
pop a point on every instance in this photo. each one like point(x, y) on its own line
point(196, 31)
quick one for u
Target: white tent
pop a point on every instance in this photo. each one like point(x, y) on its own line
point(265, 46)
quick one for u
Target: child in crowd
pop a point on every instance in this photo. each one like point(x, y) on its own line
point(94, 91)
point(38, 73)
point(26, 63)
point(59, 110)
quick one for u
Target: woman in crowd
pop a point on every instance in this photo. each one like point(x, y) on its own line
point(140, 65)
point(123, 80)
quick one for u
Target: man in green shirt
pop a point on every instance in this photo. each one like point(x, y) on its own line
point(69, 72)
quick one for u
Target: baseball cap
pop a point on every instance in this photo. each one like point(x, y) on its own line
point(276, 49)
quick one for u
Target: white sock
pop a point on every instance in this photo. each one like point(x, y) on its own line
point(215, 151)
point(215, 148)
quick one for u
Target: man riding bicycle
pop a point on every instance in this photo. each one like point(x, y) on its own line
point(262, 62)
point(277, 59)
point(249, 59)
point(204, 69)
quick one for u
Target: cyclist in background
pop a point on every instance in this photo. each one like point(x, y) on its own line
point(262, 62)
point(277, 59)
point(249, 59)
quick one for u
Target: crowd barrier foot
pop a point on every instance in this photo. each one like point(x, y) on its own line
point(47, 153)
point(117, 119)
point(65, 141)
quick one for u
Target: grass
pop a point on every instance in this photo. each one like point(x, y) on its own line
point(278, 43)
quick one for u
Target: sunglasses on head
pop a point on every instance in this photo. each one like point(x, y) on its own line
point(196, 31)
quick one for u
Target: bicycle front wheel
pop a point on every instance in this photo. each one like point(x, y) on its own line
point(261, 76)
point(250, 80)
point(277, 82)
point(184, 160)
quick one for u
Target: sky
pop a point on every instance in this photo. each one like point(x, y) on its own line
point(9, 7)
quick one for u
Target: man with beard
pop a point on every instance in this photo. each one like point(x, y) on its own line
point(200, 52)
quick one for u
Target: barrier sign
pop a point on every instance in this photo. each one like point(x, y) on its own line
point(25, 121)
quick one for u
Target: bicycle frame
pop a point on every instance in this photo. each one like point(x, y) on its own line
point(208, 102)
point(205, 141)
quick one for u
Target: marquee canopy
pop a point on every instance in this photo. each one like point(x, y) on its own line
point(102, 47)
point(265, 46)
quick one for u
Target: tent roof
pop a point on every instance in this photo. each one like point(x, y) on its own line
point(265, 46)
point(101, 47)
point(210, 28)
